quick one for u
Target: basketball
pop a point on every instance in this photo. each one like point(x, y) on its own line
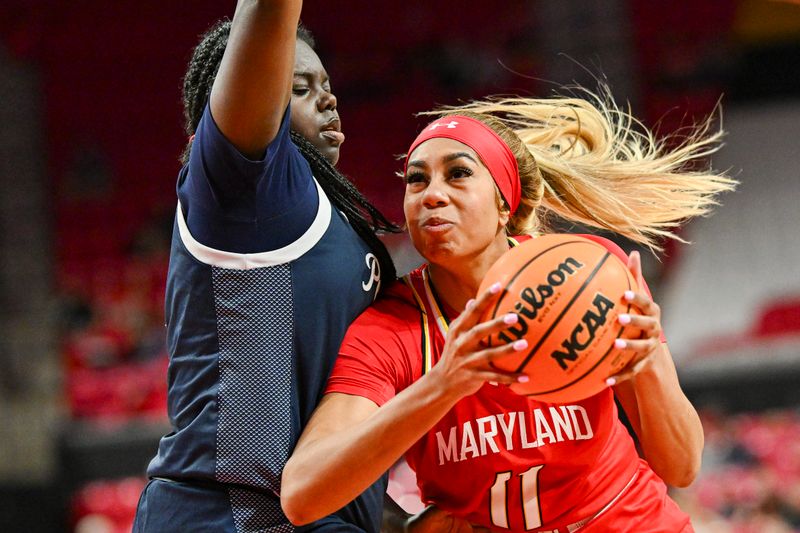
point(568, 292)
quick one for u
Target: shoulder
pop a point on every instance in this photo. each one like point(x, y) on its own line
point(384, 340)
point(394, 310)
point(391, 324)
point(211, 142)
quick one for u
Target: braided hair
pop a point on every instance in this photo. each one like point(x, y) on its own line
point(365, 218)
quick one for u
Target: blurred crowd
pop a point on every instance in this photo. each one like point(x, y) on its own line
point(750, 480)
point(113, 339)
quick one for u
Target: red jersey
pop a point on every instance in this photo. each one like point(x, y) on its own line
point(497, 459)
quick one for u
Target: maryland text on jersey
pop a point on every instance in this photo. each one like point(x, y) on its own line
point(487, 434)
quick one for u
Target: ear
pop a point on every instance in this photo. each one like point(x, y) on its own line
point(503, 217)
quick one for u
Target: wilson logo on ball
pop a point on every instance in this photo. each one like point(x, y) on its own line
point(568, 292)
point(535, 299)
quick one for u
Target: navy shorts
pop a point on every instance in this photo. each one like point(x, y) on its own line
point(167, 506)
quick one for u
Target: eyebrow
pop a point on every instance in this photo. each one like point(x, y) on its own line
point(310, 75)
point(446, 159)
point(456, 155)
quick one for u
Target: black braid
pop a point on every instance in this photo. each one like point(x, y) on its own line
point(363, 216)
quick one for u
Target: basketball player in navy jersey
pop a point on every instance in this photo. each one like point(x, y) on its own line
point(273, 255)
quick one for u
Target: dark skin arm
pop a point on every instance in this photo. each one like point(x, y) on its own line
point(254, 82)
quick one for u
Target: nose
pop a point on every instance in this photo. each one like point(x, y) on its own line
point(434, 194)
point(327, 101)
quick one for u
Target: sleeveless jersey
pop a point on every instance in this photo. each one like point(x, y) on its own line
point(497, 459)
point(265, 276)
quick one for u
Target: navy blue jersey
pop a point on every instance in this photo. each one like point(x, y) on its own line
point(265, 276)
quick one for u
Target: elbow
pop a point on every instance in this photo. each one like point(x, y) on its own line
point(681, 480)
point(293, 507)
point(296, 504)
point(689, 466)
point(688, 474)
point(678, 463)
point(682, 474)
point(294, 514)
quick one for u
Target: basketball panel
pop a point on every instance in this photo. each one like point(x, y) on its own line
point(567, 291)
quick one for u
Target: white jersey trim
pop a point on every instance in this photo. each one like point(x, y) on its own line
point(290, 252)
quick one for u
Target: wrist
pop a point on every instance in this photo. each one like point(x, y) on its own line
point(438, 390)
point(651, 372)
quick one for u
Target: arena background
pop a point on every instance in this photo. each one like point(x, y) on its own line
point(90, 132)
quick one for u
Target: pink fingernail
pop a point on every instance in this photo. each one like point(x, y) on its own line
point(611, 382)
point(494, 289)
point(624, 318)
point(470, 304)
point(523, 379)
point(620, 344)
point(628, 295)
point(511, 318)
point(520, 345)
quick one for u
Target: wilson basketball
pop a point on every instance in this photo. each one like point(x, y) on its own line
point(568, 292)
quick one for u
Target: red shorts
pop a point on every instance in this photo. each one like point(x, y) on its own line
point(644, 507)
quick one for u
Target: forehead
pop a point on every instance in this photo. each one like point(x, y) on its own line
point(434, 150)
point(306, 60)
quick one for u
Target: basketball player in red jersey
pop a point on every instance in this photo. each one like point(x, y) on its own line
point(414, 377)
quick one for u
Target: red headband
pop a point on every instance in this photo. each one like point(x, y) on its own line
point(492, 150)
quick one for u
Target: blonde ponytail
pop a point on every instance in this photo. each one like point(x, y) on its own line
point(597, 165)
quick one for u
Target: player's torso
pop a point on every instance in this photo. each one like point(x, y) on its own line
point(251, 349)
point(501, 459)
point(498, 458)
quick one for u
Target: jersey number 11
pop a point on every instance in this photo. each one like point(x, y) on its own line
point(498, 496)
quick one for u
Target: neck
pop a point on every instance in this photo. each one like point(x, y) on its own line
point(457, 280)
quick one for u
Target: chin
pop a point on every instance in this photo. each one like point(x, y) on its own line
point(438, 254)
point(330, 153)
point(333, 158)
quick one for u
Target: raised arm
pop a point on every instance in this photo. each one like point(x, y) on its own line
point(253, 85)
point(666, 423)
point(350, 441)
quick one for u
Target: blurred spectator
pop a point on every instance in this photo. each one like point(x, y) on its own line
point(113, 341)
point(106, 506)
point(750, 481)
